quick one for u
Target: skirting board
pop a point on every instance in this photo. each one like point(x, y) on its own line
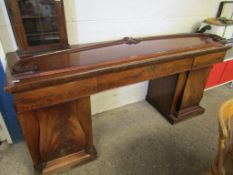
point(218, 85)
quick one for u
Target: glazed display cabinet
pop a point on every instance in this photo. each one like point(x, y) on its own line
point(38, 25)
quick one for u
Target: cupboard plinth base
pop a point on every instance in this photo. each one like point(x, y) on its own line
point(66, 162)
point(185, 114)
point(179, 116)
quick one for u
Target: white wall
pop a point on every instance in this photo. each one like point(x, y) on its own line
point(6, 34)
point(2, 56)
point(7, 41)
point(100, 20)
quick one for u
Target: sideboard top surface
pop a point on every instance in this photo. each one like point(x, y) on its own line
point(102, 56)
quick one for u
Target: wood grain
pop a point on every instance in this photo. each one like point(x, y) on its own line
point(161, 93)
point(54, 132)
point(194, 87)
point(30, 127)
point(206, 60)
point(153, 71)
point(39, 98)
point(61, 133)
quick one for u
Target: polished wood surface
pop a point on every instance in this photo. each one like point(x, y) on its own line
point(60, 135)
point(52, 91)
point(115, 53)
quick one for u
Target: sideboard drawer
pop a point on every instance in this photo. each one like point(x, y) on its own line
point(135, 75)
point(206, 60)
point(52, 95)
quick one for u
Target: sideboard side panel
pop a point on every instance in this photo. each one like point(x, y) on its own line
point(84, 113)
point(30, 127)
point(194, 87)
point(60, 131)
point(161, 92)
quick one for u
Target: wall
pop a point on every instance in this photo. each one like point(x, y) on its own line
point(6, 34)
point(2, 56)
point(100, 20)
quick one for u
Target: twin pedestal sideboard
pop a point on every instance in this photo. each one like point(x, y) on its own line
point(52, 91)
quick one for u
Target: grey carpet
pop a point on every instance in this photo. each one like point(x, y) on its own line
point(136, 140)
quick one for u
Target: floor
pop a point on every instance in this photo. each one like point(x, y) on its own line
point(137, 140)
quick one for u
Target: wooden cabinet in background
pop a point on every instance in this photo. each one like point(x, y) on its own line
point(38, 25)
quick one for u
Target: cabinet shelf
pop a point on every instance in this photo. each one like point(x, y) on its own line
point(42, 33)
point(37, 17)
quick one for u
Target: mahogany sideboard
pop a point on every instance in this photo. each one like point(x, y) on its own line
point(52, 91)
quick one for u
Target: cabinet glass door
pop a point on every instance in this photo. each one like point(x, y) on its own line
point(40, 21)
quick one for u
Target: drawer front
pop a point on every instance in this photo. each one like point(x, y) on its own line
point(52, 95)
point(206, 60)
point(44, 97)
point(117, 79)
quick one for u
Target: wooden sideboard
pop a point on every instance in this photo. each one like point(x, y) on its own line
point(52, 91)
